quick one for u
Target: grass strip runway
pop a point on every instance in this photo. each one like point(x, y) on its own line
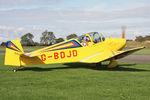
point(131, 81)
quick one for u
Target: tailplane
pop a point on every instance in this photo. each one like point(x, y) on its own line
point(13, 52)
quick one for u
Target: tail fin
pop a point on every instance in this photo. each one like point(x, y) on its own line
point(12, 53)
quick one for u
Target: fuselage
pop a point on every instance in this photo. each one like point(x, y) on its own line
point(75, 50)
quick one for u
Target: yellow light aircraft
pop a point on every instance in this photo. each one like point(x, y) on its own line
point(89, 48)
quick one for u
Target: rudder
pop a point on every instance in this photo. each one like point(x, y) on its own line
point(12, 53)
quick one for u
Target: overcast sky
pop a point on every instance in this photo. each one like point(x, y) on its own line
point(64, 17)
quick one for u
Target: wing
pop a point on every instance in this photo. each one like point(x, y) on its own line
point(29, 54)
point(108, 55)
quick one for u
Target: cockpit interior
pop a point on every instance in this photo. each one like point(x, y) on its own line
point(91, 38)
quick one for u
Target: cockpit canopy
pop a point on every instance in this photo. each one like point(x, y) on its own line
point(92, 37)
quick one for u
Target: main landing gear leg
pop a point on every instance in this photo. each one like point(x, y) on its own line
point(113, 63)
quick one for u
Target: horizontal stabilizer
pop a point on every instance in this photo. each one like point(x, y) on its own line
point(30, 54)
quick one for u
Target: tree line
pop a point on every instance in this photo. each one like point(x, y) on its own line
point(47, 38)
point(141, 38)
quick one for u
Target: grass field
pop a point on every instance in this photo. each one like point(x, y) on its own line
point(130, 81)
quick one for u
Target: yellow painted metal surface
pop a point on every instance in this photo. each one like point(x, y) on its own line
point(67, 52)
point(12, 56)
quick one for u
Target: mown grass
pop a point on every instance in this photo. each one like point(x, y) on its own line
point(75, 82)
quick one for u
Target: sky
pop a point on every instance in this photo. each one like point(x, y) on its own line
point(64, 17)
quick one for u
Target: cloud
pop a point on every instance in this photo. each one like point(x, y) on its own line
point(46, 16)
point(103, 17)
point(11, 28)
point(2, 38)
point(15, 4)
point(38, 20)
point(9, 32)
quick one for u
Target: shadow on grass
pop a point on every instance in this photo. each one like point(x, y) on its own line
point(85, 65)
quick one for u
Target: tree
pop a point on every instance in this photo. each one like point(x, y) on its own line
point(3, 43)
point(147, 38)
point(36, 44)
point(129, 40)
point(71, 36)
point(47, 38)
point(59, 40)
point(139, 39)
point(27, 39)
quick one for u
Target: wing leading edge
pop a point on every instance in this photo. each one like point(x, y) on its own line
point(109, 55)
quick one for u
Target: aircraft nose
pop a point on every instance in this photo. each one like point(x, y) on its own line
point(116, 43)
point(122, 43)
